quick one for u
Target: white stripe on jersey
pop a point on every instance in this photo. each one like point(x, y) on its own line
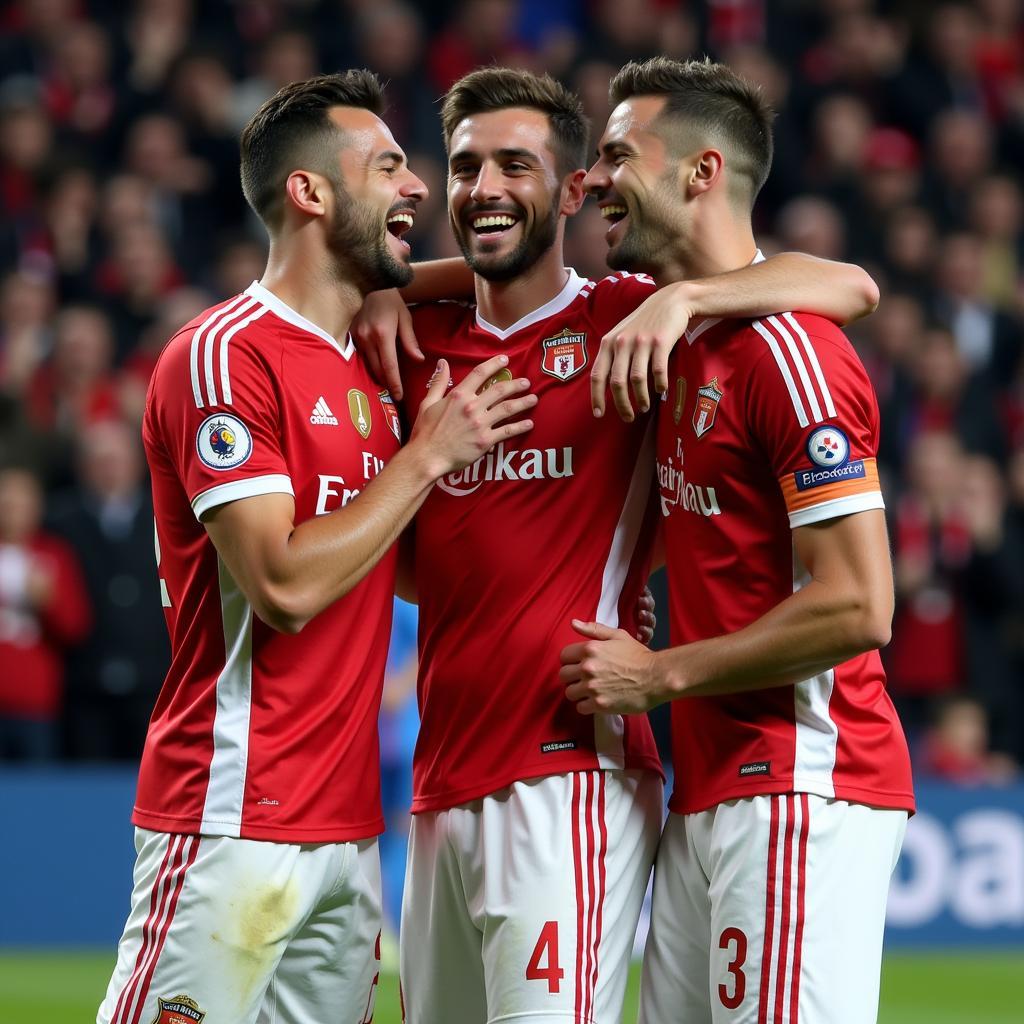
point(783, 366)
point(225, 379)
point(608, 729)
point(801, 369)
point(222, 810)
point(812, 358)
point(211, 341)
point(197, 335)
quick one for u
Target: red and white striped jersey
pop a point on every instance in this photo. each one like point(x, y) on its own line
point(769, 425)
point(553, 525)
point(257, 733)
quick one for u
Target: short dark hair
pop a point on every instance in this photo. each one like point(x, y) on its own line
point(292, 128)
point(488, 89)
point(710, 100)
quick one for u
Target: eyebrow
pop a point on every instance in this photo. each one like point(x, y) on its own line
point(389, 156)
point(507, 153)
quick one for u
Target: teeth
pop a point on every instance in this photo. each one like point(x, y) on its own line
point(611, 211)
point(501, 220)
point(401, 218)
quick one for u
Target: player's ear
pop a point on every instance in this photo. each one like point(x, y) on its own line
point(307, 192)
point(703, 173)
point(572, 193)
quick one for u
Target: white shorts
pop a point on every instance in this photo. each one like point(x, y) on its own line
point(770, 910)
point(524, 904)
point(243, 931)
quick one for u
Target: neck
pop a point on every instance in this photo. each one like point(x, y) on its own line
point(707, 250)
point(502, 303)
point(305, 280)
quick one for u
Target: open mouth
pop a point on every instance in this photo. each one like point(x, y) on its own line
point(492, 226)
point(614, 214)
point(398, 224)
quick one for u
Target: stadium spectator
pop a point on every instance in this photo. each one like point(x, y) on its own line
point(43, 610)
point(114, 677)
point(956, 748)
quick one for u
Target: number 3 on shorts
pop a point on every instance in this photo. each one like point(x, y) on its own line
point(730, 1000)
point(546, 950)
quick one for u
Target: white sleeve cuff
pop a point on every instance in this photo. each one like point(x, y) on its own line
point(835, 508)
point(272, 483)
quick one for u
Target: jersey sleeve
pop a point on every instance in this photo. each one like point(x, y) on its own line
point(221, 430)
point(618, 295)
point(812, 410)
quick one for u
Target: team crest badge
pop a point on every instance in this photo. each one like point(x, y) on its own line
point(223, 441)
point(359, 411)
point(390, 413)
point(680, 402)
point(495, 378)
point(708, 398)
point(565, 354)
point(179, 1010)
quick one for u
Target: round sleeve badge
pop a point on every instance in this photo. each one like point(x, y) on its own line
point(223, 441)
point(828, 447)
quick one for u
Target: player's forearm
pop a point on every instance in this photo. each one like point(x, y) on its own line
point(325, 557)
point(790, 281)
point(439, 279)
point(816, 629)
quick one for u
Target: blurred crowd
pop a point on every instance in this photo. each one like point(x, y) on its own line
point(899, 133)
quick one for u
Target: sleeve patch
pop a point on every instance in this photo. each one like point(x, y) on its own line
point(814, 486)
point(223, 442)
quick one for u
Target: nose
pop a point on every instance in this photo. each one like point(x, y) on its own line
point(414, 189)
point(596, 179)
point(488, 184)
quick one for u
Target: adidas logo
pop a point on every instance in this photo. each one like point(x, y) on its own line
point(322, 415)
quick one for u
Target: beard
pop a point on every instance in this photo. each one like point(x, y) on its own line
point(650, 232)
point(534, 243)
point(357, 242)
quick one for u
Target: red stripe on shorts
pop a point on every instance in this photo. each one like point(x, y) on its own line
point(191, 848)
point(578, 868)
point(591, 895)
point(801, 882)
point(601, 882)
point(769, 911)
point(787, 895)
point(144, 945)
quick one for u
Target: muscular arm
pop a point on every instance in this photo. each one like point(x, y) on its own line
point(290, 573)
point(643, 341)
point(439, 279)
point(843, 610)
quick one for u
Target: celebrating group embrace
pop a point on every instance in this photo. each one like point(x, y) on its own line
point(315, 445)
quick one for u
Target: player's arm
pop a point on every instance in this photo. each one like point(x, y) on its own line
point(844, 610)
point(405, 580)
point(291, 573)
point(643, 341)
point(384, 322)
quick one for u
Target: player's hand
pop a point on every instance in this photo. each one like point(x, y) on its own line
point(636, 346)
point(457, 428)
point(382, 322)
point(646, 620)
point(610, 672)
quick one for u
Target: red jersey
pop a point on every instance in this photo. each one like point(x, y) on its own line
point(769, 425)
point(257, 733)
point(553, 525)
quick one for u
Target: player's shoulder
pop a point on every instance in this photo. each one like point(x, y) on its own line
point(803, 342)
point(621, 288)
point(200, 356)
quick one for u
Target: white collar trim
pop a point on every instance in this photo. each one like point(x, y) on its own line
point(692, 334)
point(569, 292)
point(289, 315)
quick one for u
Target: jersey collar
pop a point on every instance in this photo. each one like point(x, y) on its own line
point(556, 305)
point(693, 333)
point(289, 315)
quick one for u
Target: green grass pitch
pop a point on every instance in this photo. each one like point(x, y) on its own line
point(947, 988)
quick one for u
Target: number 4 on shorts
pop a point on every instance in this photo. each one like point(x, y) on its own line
point(546, 951)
